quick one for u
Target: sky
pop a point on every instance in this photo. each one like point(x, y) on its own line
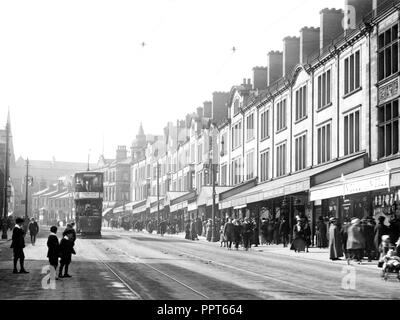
point(78, 81)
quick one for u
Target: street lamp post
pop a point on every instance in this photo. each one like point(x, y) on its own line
point(213, 172)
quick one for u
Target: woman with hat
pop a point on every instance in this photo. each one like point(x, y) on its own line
point(335, 241)
point(355, 241)
point(380, 230)
point(299, 243)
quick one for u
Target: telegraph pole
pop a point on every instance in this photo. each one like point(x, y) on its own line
point(6, 174)
point(26, 189)
point(158, 198)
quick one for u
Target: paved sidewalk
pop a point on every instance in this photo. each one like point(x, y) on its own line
point(315, 254)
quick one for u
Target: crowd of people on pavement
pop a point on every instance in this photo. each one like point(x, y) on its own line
point(358, 239)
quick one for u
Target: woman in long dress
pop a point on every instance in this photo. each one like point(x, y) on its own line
point(299, 243)
point(335, 241)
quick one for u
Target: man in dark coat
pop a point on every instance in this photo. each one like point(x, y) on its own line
point(18, 245)
point(193, 231)
point(248, 230)
point(380, 230)
point(53, 252)
point(66, 251)
point(70, 228)
point(237, 233)
point(322, 241)
point(33, 228)
point(284, 231)
point(187, 230)
point(229, 233)
point(367, 229)
point(256, 233)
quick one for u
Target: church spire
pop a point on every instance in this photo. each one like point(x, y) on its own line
point(141, 131)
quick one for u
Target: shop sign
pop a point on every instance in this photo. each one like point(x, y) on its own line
point(376, 183)
point(297, 187)
point(395, 180)
point(388, 91)
point(87, 195)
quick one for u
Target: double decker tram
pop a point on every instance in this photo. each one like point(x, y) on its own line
point(88, 197)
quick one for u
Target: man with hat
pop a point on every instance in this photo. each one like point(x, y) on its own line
point(18, 245)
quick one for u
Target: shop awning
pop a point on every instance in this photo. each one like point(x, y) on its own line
point(108, 210)
point(379, 176)
point(205, 195)
point(295, 183)
point(182, 202)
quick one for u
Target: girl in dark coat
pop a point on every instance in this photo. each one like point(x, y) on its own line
point(66, 251)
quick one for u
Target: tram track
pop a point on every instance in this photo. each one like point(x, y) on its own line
point(181, 252)
point(120, 276)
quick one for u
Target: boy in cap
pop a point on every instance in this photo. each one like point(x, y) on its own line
point(54, 248)
point(18, 245)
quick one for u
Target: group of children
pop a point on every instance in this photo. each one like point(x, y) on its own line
point(62, 250)
point(390, 257)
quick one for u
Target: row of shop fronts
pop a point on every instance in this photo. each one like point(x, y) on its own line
point(344, 189)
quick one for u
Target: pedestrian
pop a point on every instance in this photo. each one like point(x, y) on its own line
point(163, 227)
point(187, 230)
point(298, 243)
point(18, 245)
point(248, 230)
point(264, 230)
point(199, 226)
point(256, 233)
point(33, 228)
point(335, 240)
point(229, 233)
point(276, 237)
point(66, 251)
point(307, 233)
point(209, 230)
point(367, 230)
point(380, 230)
point(355, 241)
point(237, 233)
point(394, 229)
point(284, 231)
point(193, 231)
point(70, 228)
point(53, 252)
point(320, 231)
point(270, 231)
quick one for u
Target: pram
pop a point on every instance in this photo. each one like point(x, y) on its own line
point(390, 265)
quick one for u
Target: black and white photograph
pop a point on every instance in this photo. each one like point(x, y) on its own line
point(205, 152)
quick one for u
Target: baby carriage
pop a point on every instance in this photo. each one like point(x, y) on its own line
point(390, 265)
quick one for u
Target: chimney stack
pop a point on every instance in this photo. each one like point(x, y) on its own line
point(309, 42)
point(122, 153)
point(220, 106)
point(355, 11)
point(207, 107)
point(331, 26)
point(291, 53)
point(274, 65)
point(260, 76)
point(200, 112)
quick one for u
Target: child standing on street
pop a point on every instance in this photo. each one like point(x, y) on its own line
point(66, 251)
point(54, 248)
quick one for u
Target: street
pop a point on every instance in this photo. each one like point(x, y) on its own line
point(142, 266)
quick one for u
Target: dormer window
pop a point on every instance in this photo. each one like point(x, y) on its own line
point(236, 106)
